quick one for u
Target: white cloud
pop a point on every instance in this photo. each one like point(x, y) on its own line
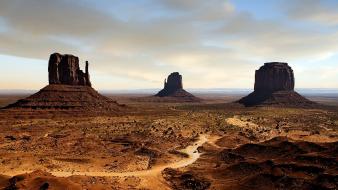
point(210, 42)
point(322, 12)
point(269, 40)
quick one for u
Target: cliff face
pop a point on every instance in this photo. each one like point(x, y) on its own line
point(273, 77)
point(64, 69)
point(69, 89)
point(274, 85)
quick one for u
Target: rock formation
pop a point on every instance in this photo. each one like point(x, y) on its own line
point(273, 77)
point(69, 88)
point(173, 88)
point(274, 84)
point(173, 84)
point(64, 69)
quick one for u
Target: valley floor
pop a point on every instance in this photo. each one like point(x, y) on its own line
point(210, 145)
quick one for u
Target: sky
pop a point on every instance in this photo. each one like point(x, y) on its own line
point(135, 44)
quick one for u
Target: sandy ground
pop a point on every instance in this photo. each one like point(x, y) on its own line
point(191, 152)
point(210, 145)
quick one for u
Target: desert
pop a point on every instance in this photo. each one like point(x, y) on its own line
point(68, 136)
point(168, 95)
point(144, 148)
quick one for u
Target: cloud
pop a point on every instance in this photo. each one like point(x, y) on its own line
point(322, 12)
point(211, 43)
point(199, 9)
point(270, 40)
point(48, 17)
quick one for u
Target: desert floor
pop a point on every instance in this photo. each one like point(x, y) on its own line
point(155, 145)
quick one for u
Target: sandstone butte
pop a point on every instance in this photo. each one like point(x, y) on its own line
point(274, 85)
point(173, 88)
point(69, 88)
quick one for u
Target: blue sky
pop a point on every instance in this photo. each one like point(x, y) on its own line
point(135, 44)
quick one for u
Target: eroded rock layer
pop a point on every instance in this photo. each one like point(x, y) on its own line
point(69, 88)
point(56, 96)
point(273, 77)
point(274, 85)
point(65, 69)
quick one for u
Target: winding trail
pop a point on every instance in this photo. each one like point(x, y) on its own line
point(190, 150)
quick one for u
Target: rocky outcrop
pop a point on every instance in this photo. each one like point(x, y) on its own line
point(173, 90)
point(274, 85)
point(173, 84)
point(273, 77)
point(69, 89)
point(64, 69)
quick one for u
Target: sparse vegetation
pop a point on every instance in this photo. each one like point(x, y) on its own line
point(149, 135)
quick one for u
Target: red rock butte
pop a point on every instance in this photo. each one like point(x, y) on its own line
point(69, 88)
point(173, 88)
point(274, 85)
point(64, 69)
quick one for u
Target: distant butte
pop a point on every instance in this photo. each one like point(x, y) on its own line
point(274, 85)
point(173, 88)
point(69, 88)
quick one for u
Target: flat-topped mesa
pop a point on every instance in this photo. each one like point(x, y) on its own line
point(274, 76)
point(274, 85)
point(65, 69)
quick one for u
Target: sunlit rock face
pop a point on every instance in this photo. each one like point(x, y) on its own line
point(64, 69)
